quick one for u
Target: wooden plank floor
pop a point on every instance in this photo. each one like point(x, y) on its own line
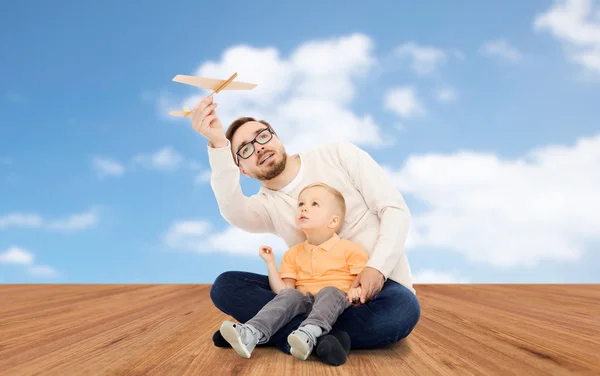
point(167, 329)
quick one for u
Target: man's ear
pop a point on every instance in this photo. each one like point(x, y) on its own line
point(244, 172)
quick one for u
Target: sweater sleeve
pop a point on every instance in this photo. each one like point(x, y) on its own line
point(246, 213)
point(384, 199)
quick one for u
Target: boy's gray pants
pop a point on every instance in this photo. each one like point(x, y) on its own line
point(324, 307)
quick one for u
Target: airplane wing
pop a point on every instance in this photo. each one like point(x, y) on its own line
point(207, 83)
point(180, 113)
point(237, 85)
point(185, 113)
point(212, 83)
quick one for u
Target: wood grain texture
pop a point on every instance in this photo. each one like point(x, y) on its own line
point(167, 330)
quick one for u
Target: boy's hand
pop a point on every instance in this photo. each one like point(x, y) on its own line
point(371, 281)
point(353, 295)
point(266, 253)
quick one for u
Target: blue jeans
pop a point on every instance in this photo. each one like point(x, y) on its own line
point(387, 318)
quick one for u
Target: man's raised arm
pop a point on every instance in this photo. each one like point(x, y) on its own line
point(382, 198)
point(247, 213)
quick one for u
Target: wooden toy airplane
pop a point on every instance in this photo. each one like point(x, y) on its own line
point(213, 84)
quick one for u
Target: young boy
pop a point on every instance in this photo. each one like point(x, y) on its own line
point(314, 278)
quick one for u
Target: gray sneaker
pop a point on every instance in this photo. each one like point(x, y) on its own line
point(240, 337)
point(301, 345)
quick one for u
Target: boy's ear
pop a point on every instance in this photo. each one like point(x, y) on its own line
point(334, 221)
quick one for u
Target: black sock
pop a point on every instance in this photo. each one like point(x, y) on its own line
point(343, 338)
point(219, 341)
point(334, 347)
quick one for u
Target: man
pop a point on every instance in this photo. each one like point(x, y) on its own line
point(377, 217)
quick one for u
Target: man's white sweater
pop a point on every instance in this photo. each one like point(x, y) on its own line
point(377, 216)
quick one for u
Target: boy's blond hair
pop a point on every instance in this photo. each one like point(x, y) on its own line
point(339, 198)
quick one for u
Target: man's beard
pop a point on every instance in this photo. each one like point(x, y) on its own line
point(275, 170)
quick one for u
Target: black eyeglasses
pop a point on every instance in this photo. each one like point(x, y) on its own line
point(246, 150)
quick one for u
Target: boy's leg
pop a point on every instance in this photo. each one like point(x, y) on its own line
point(286, 305)
point(329, 303)
point(388, 317)
point(242, 295)
point(258, 330)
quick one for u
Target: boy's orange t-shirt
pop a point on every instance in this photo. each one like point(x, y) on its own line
point(336, 262)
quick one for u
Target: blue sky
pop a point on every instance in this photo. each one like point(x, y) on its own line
point(485, 116)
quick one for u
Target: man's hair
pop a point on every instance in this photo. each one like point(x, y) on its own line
point(339, 198)
point(237, 123)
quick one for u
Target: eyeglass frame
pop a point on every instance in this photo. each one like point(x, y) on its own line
point(237, 153)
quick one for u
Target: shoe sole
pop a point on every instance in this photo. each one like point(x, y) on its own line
point(231, 335)
point(298, 347)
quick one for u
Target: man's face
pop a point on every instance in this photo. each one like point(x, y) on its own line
point(267, 161)
point(316, 209)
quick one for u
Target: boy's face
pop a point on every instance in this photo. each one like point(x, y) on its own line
point(316, 209)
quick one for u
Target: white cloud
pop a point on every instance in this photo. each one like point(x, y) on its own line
point(21, 220)
point(507, 212)
point(194, 165)
point(430, 276)
point(425, 59)
point(328, 67)
point(306, 96)
point(164, 159)
point(235, 240)
point(19, 256)
point(262, 66)
point(403, 101)
point(107, 167)
point(187, 234)
point(42, 271)
point(575, 23)
point(501, 48)
point(446, 95)
point(15, 255)
point(201, 237)
point(307, 121)
point(73, 222)
point(203, 177)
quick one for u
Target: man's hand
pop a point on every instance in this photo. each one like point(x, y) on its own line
point(266, 253)
point(370, 281)
point(206, 122)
